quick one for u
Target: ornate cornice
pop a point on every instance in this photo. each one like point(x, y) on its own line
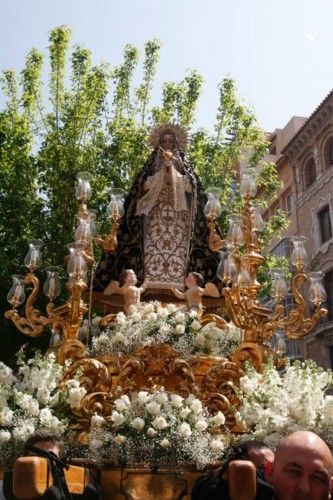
point(314, 124)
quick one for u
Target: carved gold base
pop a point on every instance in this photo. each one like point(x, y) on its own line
point(139, 483)
point(213, 380)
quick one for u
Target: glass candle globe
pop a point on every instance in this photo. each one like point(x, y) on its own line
point(33, 258)
point(77, 265)
point(257, 220)
point(83, 188)
point(235, 232)
point(279, 289)
point(115, 208)
point(16, 294)
point(213, 206)
point(317, 292)
point(83, 231)
point(51, 286)
point(299, 256)
point(247, 186)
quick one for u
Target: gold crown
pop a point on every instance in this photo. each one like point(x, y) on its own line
point(179, 132)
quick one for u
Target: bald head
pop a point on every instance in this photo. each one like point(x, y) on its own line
point(302, 469)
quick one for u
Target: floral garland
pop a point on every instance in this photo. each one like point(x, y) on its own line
point(153, 322)
point(275, 403)
point(159, 428)
point(31, 400)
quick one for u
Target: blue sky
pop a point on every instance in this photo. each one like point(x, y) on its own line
point(278, 51)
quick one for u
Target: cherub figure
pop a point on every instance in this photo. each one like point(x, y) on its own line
point(127, 288)
point(195, 290)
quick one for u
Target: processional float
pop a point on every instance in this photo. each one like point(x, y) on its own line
point(213, 380)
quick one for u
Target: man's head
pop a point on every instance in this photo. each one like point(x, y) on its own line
point(302, 468)
point(46, 441)
point(257, 452)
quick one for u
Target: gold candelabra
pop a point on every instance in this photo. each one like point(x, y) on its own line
point(237, 270)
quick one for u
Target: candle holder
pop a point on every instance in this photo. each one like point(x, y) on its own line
point(317, 292)
point(115, 210)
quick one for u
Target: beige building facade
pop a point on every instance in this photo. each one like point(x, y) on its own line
point(303, 153)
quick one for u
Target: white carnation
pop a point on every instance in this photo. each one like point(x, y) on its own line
point(21, 433)
point(161, 398)
point(176, 400)
point(160, 423)
point(75, 396)
point(132, 309)
point(165, 443)
point(151, 432)
point(4, 436)
point(6, 375)
point(162, 312)
point(219, 419)
point(119, 338)
point(217, 445)
point(195, 325)
point(121, 319)
point(120, 439)
point(196, 406)
point(180, 329)
point(152, 316)
point(164, 329)
point(180, 317)
point(171, 308)
point(45, 417)
point(184, 413)
point(6, 416)
point(117, 418)
point(122, 403)
point(201, 425)
point(138, 423)
point(148, 308)
point(184, 430)
point(143, 397)
point(153, 408)
point(97, 421)
point(43, 395)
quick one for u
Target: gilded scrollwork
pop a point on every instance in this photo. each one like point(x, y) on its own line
point(157, 364)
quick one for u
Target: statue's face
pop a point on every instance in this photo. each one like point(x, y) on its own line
point(131, 278)
point(190, 281)
point(168, 142)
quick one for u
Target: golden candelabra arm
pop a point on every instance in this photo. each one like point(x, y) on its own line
point(109, 242)
point(215, 242)
point(33, 323)
point(295, 324)
point(115, 210)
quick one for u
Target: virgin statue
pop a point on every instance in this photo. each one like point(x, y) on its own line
point(163, 235)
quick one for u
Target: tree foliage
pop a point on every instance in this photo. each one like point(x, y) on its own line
point(93, 118)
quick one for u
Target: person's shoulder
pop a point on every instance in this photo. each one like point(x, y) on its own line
point(264, 490)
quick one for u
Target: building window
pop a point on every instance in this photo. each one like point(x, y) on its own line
point(325, 224)
point(329, 152)
point(288, 203)
point(328, 281)
point(282, 249)
point(310, 173)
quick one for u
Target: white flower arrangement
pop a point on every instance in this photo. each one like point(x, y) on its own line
point(31, 400)
point(158, 428)
point(275, 403)
point(152, 322)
